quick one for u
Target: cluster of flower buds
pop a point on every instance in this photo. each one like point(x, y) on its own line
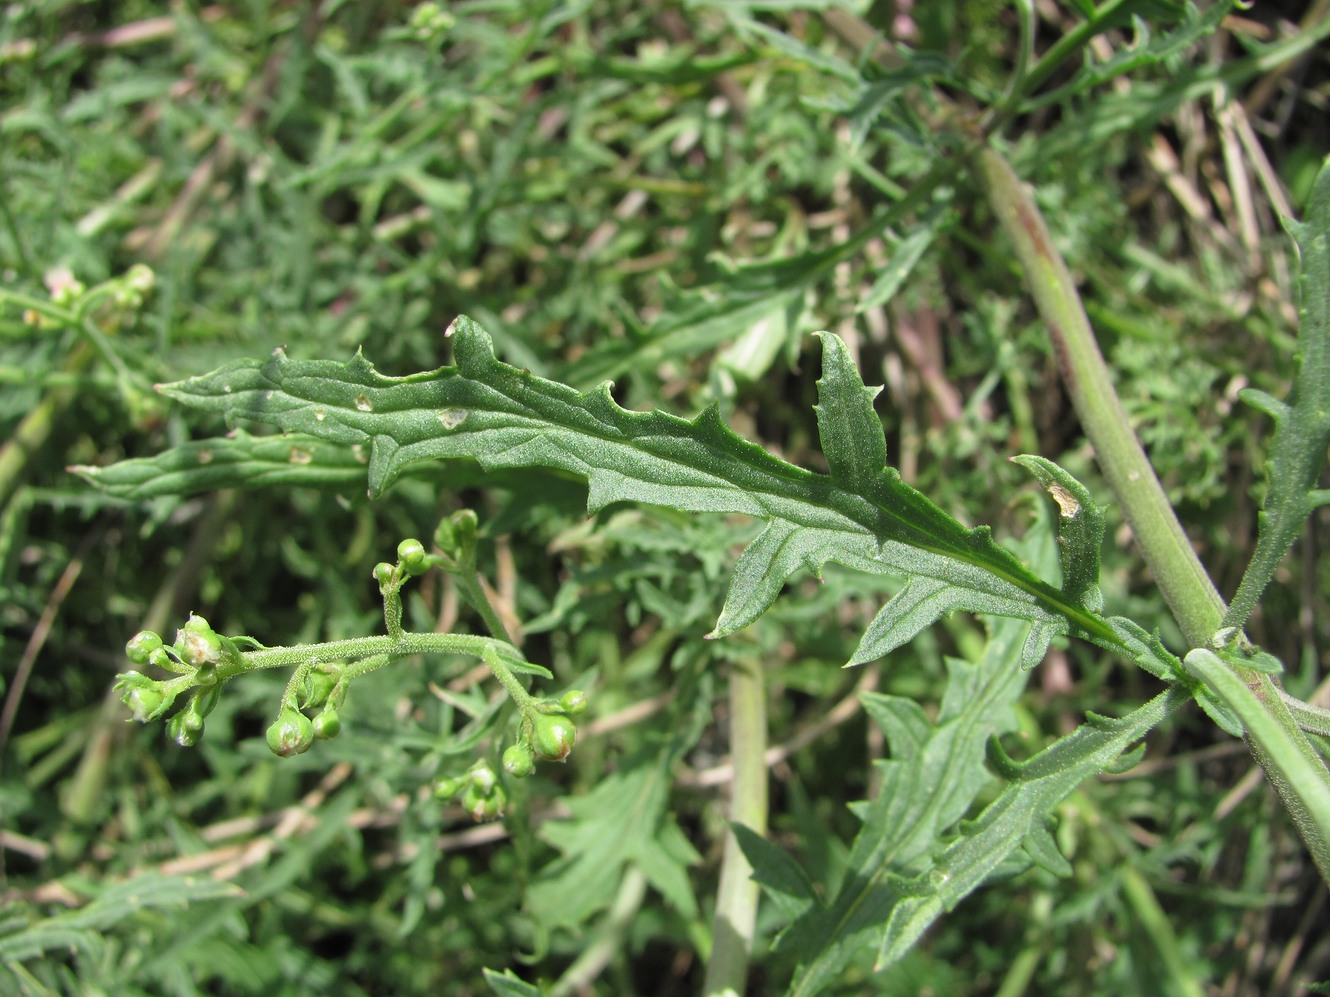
point(197, 656)
point(294, 731)
point(479, 791)
point(545, 735)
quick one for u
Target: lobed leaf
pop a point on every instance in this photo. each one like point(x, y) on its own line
point(861, 515)
point(623, 820)
point(935, 771)
point(909, 903)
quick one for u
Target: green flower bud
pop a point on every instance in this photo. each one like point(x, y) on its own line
point(197, 643)
point(145, 704)
point(383, 574)
point(143, 696)
point(573, 702)
point(291, 733)
point(518, 760)
point(327, 724)
point(483, 777)
point(481, 805)
point(185, 728)
point(456, 536)
point(141, 278)
point(141, 646)
point(411, 556)
point(446, 789)
point(552, 736)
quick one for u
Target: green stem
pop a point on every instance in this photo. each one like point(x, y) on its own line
point(578, 977)
point(736, 899)
point(1195, 602)
point(1297, 773)
point(1272, 733)
point(526, 703)
point(1157, 930)
point(362, 647)
point(469, 587)
point(1069, 45)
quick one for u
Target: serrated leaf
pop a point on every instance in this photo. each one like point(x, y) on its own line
point(847, 425)
point(862, 515)
point(1146, 49)
point(910, 904)
point(623, 820)
point(1302, 427)
point(934, 772)
point(781, 878)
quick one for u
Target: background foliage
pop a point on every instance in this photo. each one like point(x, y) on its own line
point(671, 197)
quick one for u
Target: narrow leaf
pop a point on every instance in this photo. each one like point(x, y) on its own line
point(1302, 427)
point(850, 430)
point(290, 460)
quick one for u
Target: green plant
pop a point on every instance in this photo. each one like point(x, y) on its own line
point(861, 515)
point(669, 496)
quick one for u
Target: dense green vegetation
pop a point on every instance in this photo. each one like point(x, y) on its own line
point(672, 198)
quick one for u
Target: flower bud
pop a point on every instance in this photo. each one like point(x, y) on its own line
point(552, 736)
point(573, 702)
point(383, 574)
point(483, 777)
point(141, 278)
point(141, 646)
point(455, 536)
point(327, 724)
point(185, 728)
point(197, 643)
point(411, 556)
point(291, 733)
point(481, 805)
point(446, 789)
point(142, 695)
point(518, 760)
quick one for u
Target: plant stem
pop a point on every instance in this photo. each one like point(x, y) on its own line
point(1196, 604)
point(578, 977)
point(1272, 734)
point(363, 647)
point(736, 897)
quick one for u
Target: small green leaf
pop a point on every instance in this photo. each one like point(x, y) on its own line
point(781, 878)
point(623, 820)
point(509, 984)
point(1080, 530)
point(849, 429)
